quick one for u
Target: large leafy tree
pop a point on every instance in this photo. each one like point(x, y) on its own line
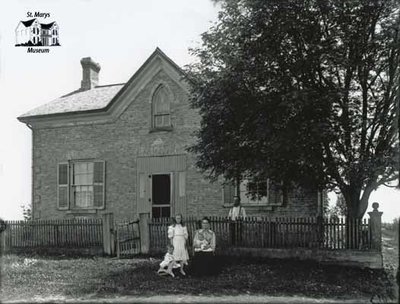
point(305, 92)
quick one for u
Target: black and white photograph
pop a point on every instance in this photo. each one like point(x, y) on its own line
point(199, 151)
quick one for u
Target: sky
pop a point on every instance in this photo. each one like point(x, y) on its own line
point(118, 34)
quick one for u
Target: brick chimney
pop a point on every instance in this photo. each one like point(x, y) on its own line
point(90, 73)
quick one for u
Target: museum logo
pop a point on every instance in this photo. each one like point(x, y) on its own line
point(36, 35)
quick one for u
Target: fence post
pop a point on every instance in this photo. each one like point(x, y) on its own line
point(375, 227)
point(144, 232)
point(320, 240)
point(108, 235)
point(2, 242)
point(3, 227)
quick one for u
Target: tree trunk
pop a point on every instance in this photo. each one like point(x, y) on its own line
point(352, 198)
point(363, 204)
point(356, 205)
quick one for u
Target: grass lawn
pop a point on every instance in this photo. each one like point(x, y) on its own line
point(390, 252)
point(33, 277)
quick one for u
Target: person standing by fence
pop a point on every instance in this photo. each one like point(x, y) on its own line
point(236, 213)
point(178, 235)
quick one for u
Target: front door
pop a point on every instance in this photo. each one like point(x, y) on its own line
point(161, 195)
point(161, 185)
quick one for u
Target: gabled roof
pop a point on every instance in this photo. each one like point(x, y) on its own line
point(99, 99)
point(28, 23)
point(47, 26)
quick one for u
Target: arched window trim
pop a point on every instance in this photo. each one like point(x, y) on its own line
point(161, 120)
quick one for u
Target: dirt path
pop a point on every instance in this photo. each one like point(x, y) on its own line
point(193, 299)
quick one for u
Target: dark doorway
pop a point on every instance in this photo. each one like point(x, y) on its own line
point(161, 195)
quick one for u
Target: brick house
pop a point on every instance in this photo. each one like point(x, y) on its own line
point(121, 148)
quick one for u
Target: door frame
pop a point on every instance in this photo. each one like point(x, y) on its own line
point(161, 164)
point(171, 192)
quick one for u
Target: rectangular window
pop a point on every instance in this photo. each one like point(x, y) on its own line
point(260, 187)
point(271, 193)
point(81, 185)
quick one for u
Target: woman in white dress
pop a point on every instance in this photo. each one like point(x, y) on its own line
point(178, 235)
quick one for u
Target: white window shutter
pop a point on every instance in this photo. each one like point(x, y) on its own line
point(228, 193)
point(99, 184)
point(180, 194)
point(182, 184)
point(63, 186)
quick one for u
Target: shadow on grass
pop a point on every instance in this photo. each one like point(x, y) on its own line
point(246, 276)
point(56, 253)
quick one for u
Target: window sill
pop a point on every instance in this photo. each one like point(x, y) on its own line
point(266, 207)
point(262, 207)
point(160, 129)
point(82, 211)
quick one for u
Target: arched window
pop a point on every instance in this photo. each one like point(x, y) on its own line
point(161, 108)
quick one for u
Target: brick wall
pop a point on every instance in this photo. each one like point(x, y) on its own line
point(119, 144)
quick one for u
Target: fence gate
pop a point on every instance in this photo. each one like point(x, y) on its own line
point(127, 238)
